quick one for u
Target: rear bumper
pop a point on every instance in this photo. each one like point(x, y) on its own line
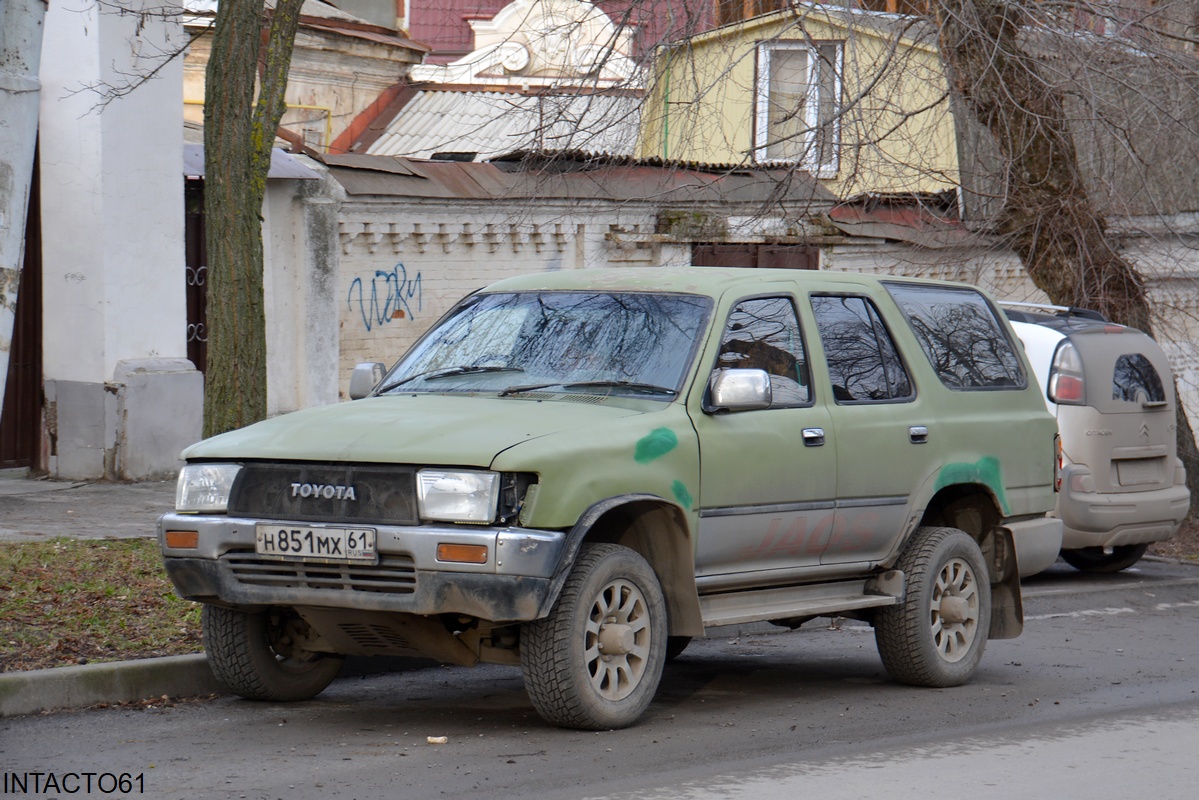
point(1037, 542)
point(1121, 518)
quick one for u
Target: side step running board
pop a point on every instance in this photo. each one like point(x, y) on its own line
point(787, 602)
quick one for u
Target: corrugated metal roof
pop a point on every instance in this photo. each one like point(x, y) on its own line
point(621, 180)
point(464, 179)
point(283, 165)
point(361, 161)
point(904, 222)
point(490, 123)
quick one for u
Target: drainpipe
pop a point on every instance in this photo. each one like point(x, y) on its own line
point(20, 55)
point(666, 108)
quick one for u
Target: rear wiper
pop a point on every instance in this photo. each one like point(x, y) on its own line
point(648, 388)
point(434, 374)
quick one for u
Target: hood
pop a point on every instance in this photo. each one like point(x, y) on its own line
point(413, 429)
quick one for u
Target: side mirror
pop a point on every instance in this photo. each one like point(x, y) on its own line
point(364, 378)
point(739, 390)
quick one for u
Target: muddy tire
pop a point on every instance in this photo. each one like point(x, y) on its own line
point(594, 663)
point(252, 654)
point(1093, 559)
point(937, 635)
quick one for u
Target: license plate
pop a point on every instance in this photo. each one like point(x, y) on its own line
point(327, 544)
point(1140, 471)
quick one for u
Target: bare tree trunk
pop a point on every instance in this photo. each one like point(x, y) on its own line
point(238, 139)
point(1047, 217)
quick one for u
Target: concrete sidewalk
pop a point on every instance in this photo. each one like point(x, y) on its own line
point(32, 510)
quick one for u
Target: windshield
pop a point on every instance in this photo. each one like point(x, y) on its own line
point(594, 342)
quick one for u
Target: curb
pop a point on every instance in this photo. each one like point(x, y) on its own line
point(62, 688)
point(40, 690)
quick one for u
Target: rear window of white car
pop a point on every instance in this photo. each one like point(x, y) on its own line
point(1135, 380)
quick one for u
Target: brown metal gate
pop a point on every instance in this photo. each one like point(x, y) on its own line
point(780, 256)
point(197, 276)
point(21, 421)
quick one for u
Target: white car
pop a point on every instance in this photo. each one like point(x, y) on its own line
point(1112, 391)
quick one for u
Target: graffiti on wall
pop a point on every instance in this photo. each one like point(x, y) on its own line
point(390, 296)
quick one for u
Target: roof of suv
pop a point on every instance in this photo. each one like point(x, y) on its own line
point(694, 280)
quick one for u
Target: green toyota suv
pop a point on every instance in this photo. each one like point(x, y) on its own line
point(577, 472)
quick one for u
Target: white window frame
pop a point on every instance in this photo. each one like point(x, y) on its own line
point(810, 161)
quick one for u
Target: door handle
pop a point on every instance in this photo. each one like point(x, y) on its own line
point(813, 437)
point(918, 434)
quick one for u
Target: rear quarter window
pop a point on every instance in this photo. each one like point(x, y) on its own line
point(961, 335)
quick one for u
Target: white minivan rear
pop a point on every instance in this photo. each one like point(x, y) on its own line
point(1112, 391)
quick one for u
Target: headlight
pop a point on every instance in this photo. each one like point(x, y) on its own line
point(457, 496)
point(205, 487)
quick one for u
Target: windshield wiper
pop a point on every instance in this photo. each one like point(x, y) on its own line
point(447, 372)
point(648, 388)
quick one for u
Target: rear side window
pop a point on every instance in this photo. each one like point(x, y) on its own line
point(863, 364)
point(1135, 380)
point(961, 336)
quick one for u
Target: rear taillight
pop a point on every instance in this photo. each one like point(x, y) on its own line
point(1066, 383)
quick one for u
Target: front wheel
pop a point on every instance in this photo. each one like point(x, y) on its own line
point(1094, 559)
point(936, 636)
point(259, 655)
point(594, 663)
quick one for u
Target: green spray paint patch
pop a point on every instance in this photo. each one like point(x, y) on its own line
point(681, 494)
point(987, 470)
point(655, 444)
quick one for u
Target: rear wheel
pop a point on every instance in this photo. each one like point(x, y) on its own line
point(1094, 559)
point(937, 635)
point(259, 655)
point(594, 663)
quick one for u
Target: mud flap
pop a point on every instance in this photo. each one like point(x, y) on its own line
point(1007, 604)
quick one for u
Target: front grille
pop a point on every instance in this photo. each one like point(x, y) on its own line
point(382, 494)
point(394, 574)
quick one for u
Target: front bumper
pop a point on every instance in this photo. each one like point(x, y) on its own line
point(510, 587)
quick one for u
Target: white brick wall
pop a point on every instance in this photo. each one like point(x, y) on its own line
point(400, 271)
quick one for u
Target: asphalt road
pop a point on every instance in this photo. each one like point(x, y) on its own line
point(1097, 699)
